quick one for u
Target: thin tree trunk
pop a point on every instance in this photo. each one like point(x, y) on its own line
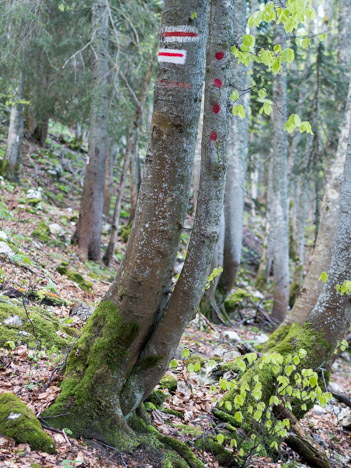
point(117, 209)
point(135, 179)
point(91, 400)
point(280, 202)
point(11, 163)
point(129, 154)
point(111, 155)
point(236, 176)
point(88, 232)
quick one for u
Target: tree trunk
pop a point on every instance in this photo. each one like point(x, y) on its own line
point(322, 254)
point(331, 316)
point(129, 155)
point(94, 401)
point(236, 176)
point(88, 232)
point(11, 162)
point(280, 202)
point(111, 156)
point(135, 180)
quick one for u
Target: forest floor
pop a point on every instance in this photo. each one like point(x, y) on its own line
point(30, 362)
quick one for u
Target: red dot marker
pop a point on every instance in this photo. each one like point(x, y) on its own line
point(219, 55)
point(217, 82)
point(216, 108)
point(213, 136)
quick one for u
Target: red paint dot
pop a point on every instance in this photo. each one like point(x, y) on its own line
point(217, 82)
point(219, 55)
point(216, 108)
point(214, 136)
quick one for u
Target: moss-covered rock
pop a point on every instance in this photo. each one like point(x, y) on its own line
point(157, 398)
point(172, 460)
point(76, 278)
point(48, 328)
point(189, 430)
point(169, 382)
point(209, 444)
point(195, 358)
point(235, 300)
point(42, 232)
point(18, 421)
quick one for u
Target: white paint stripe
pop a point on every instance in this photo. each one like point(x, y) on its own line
point(179, 34)
point(172, 56)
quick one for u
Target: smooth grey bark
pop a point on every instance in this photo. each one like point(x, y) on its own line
point(11, 163)
point(311, 288)
point(332, 313)
point(197, 160)
point(135, 179)
point(128, 156)
point(280, 201)
point(237, 164)
point(122, 325)
point(111, 156)
point(88, 232)
point(190, 287)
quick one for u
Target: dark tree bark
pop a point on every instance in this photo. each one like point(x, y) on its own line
point(88, 232)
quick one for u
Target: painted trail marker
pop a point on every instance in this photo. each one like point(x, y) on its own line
point(179, 34)
point(172, 56)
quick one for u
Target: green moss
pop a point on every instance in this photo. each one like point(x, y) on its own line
point(300, 337)
point(157, 398)
point(195, 358)
point(18, 421)
point(171, 460)
point(76, 278)
point(236, 299)
point(209, 444)
point(182, 449)
point(46, 327)
point(189, 430)
point(89, 402)
point(178, 414)
point(278, 335)
point(125, 232)
point(169, 382)
point(41, 232)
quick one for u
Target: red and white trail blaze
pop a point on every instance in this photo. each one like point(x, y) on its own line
point(172, 56)
point(179, 34)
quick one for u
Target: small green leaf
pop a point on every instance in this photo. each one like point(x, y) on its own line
point(193, 15)
point(234, 96)
point(324, 276)
point(220, 438)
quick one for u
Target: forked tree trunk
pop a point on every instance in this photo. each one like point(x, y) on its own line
point(11, 162)
point(280, 201)
point(94, 401)
point(88, 232)
point(128, 156)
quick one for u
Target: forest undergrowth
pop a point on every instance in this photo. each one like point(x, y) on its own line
point(43, 286)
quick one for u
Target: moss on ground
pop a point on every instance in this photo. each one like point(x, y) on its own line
point(189, 430)
point(169, 382)
point(157, 398)
point(18, 421)
point(42, 232)
point(48, 329)
point(209, 444)
point(76, 278)
point(238, 297)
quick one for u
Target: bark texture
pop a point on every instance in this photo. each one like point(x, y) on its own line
point(330, 207)
point(12, 160)
point(280, 202)
point(128, 157)
point(237, 164)
point(110, 348)
point(88, 232)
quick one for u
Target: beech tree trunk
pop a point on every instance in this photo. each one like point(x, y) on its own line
point(237, 163)
point(88, 232)
point(311, 288)
point(128, 156)
point(280, 200)
point(11, 162)
point(94, 401)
